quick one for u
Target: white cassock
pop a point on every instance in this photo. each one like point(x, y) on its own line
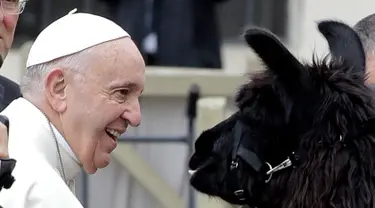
point(39, 183)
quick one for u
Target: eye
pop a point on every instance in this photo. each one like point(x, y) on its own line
point(11, 2)
point(122, 94)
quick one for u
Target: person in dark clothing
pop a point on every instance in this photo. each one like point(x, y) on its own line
point(180, 33)
point(10, 14)
point(10, 90)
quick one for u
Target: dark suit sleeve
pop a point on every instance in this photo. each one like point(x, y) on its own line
point(11, 92)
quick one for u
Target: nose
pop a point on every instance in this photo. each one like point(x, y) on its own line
point(133, 114)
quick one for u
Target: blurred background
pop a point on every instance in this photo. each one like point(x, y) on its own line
point(193, 49)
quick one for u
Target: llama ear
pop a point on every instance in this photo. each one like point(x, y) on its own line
point(279, 60)
point(344, 44)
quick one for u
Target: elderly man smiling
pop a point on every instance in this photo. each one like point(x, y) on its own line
point(81, 89)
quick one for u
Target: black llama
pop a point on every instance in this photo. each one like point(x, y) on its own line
point(303, 135)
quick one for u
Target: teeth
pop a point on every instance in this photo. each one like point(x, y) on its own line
point(114, 133)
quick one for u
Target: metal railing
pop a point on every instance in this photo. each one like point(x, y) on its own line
point(191, 113)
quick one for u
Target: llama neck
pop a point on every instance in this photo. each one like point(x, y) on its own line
point(332, 177)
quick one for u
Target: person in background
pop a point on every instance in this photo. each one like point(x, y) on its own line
point(9, 90)
point(366, 31)
point(80, 92)
point(9, 13)
point(182, 33)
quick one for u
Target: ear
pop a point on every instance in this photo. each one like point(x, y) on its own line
point(55, 89)
point(279, 60)
point(344, 43)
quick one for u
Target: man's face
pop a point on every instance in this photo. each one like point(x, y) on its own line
point(370, 69)
point(105, 102)
point(8, 23)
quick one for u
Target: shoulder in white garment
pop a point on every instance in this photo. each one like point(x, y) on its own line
point(37, 185)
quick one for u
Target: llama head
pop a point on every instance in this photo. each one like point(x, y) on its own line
point(288, 116)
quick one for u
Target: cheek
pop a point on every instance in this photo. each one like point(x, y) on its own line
point(10, 22)
point(103, 144)
point(80, 122)
point(111, 113)
point(102, 157)
point(85, 110)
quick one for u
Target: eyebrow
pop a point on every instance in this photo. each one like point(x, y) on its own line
point(126, 84)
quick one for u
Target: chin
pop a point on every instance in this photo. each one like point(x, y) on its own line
point(207, 183)
point(89, 170)
point(103, 165)
point(204, 183)
point(103, 161)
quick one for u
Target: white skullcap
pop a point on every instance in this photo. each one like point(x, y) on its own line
point(72, 33)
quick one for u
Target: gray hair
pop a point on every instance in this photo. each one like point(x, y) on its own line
point(366, 31)
point(33, 80)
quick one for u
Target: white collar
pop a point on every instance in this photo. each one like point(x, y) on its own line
point(23, 114)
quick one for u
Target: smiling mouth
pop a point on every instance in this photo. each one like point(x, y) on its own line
point(113, 134)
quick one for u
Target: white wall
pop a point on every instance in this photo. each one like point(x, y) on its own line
point(306, 36)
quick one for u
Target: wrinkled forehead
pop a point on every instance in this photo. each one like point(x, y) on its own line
point(118, 63)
